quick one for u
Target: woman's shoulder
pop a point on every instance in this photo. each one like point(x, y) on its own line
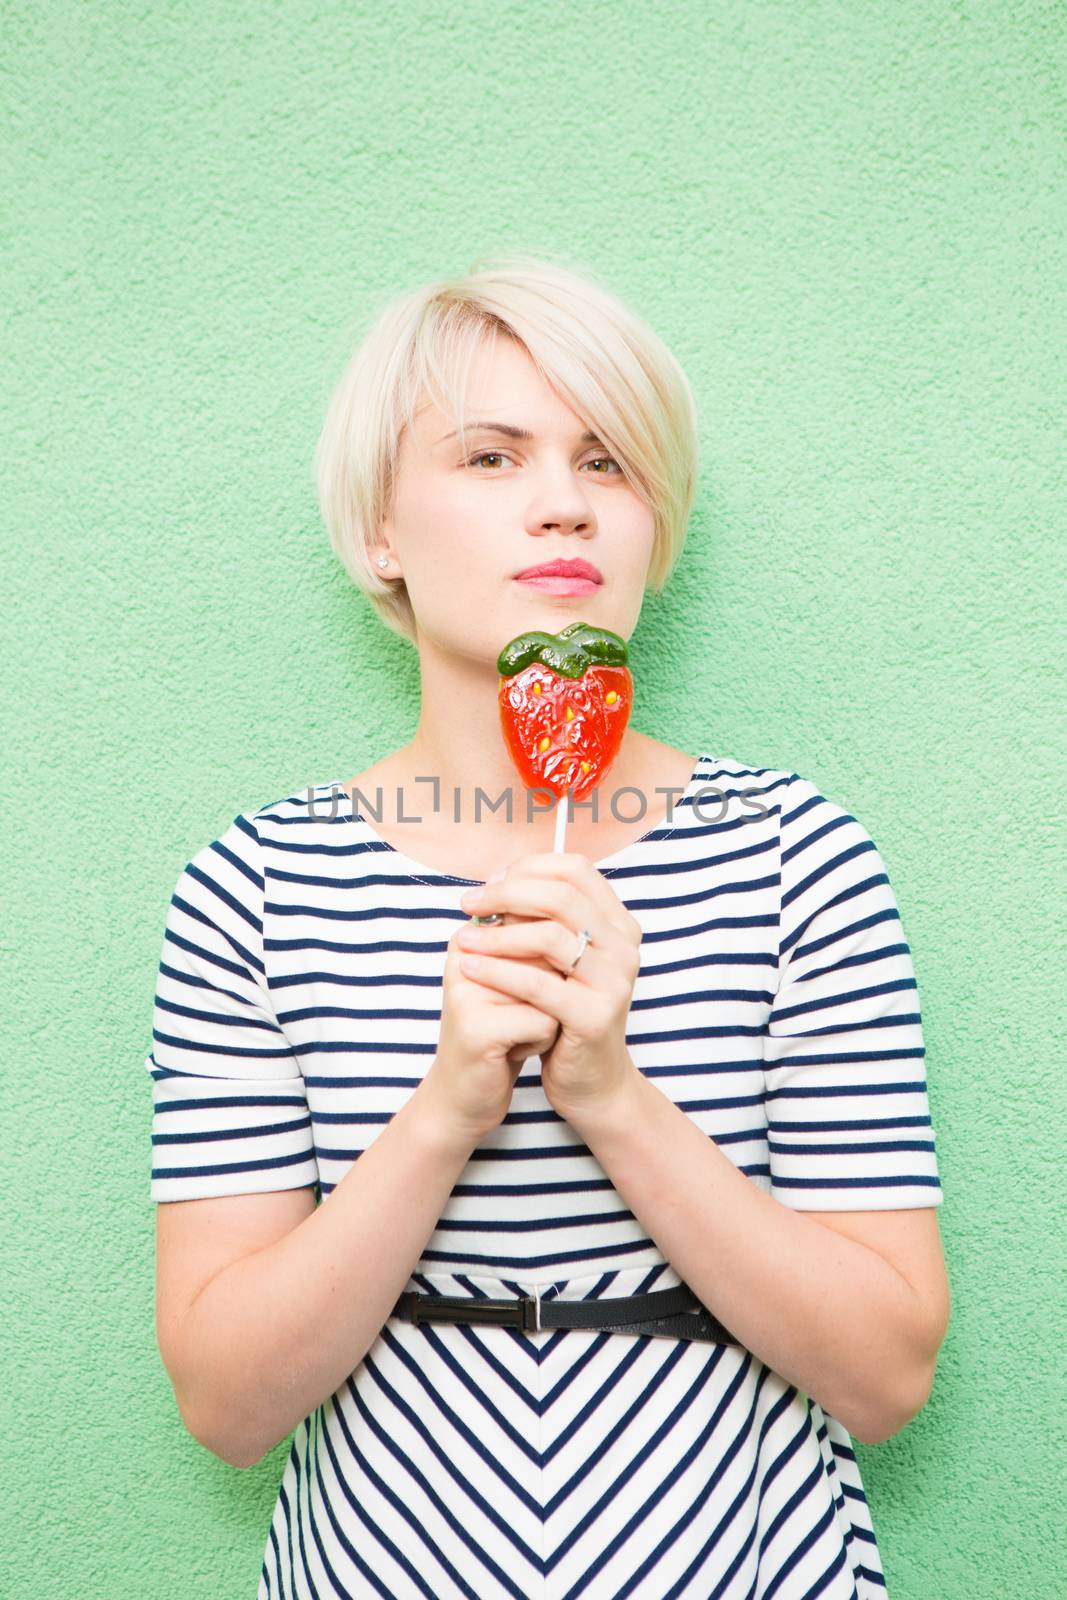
point(316, 800)
point(740, 774)
point(807, 808)
point(785, 781)
point(240, 841)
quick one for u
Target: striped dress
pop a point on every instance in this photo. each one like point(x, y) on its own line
point(297, 1008)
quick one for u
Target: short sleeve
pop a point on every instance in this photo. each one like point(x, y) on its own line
point(230, 1113)
point(849, 1126)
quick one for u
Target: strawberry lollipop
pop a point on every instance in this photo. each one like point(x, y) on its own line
point(565, 700)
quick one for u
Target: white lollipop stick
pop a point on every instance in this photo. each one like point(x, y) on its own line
point(561, 824)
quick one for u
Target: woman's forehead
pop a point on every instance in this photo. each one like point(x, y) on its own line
point(513, 400)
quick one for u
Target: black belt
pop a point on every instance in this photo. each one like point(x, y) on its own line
point(667, 1314)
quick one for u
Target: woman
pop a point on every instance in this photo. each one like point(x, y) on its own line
point(687, 1055)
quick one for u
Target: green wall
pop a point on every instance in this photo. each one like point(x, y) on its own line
point(847, 220)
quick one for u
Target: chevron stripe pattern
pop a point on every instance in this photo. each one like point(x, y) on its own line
point(297, 1007)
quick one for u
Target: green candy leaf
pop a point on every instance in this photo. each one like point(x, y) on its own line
point(568, 652)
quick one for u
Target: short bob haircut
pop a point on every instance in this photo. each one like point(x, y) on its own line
point(612, 370)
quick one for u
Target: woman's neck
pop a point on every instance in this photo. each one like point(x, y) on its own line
point(457, 777)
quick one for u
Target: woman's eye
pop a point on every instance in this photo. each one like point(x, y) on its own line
point(499, 455)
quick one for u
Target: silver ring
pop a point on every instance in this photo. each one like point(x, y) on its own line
point(584, 938)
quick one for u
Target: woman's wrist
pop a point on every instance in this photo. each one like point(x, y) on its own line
point(436, 1125)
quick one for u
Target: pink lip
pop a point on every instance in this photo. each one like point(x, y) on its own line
point(559, 568)
point(552, 583)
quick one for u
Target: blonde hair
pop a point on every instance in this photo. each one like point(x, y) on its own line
point(612, 370)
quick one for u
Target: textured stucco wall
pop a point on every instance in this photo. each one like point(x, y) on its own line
point(847, 220)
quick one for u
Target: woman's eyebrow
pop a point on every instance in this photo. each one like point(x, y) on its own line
point(509, 432)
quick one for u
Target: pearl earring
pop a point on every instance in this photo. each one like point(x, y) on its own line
point(383, 561)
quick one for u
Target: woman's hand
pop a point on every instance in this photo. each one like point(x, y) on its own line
point(485, 1038)
point(562, 893)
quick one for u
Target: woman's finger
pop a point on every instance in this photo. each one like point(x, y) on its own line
point(571, 867)
point(561, 884)
point(523, 896)
point(541, 937)
point(548, 992)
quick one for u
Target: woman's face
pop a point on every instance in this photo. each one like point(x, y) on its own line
point(462, 528)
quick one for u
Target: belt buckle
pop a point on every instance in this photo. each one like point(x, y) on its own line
point(523, 1312)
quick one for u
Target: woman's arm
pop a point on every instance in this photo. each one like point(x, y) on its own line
point(851, 1307)
point(261, 1341)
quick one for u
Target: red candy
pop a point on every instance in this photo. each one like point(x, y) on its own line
point(565, 700)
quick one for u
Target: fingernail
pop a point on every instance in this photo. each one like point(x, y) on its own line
point(496, 877)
